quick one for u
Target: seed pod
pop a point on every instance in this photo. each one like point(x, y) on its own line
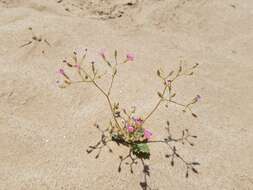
point(159, 94)
point(194, 115)
point(88, 151)
point(196, 65)
point(68, 64)
point(115, 71)
point(194, 170)
point(180, 69)
point(93, 67)
point(108, 63)
point(171, 73)
point(115, 53)
point(158, 73)
point(173, 95)
point(67, 82)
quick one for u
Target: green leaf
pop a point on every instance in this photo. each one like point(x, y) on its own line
point(141, 150)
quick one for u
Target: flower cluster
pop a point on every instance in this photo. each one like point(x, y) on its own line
point(132, 131)
point(135, 130)
point(90, 77)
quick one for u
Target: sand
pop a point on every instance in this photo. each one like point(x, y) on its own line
point(45, 131)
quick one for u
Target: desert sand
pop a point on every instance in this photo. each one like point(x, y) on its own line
point(45, 131)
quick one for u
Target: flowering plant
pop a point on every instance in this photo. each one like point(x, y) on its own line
point(125, 128)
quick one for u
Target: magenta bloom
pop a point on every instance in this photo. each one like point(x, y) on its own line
point(130, 57)
point(147, 134)
point(61, 71)
point(138, 121)
point(168, 82)
point(130, 128)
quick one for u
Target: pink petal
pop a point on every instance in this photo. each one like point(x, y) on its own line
point(147, 134)
point(198, 97)
point(168, 82)
point(130, 128)
point(130, 57)
point(138, 121)
point(78, 66)
point(61, 71)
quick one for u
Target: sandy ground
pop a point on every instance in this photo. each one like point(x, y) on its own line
point(44, 130)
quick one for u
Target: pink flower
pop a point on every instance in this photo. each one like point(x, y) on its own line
point(168, 82)
point(61, 71)
point(147, 134)
point(130, 57)
point(102, 53)
point(138, 121)
point(78, 66)
point(198, 97)
point(130, 128)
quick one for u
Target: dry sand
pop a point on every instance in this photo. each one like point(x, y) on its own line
point(44, 131)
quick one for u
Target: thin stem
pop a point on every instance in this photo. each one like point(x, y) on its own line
point(26, 44)
point(108, 100)
point(179, 74)
point(186, 106)
point(81, 81)
point(114, 70)
point(157, 105)
point(167, 143)
point(123, 159)
point(146, 173)
point(172, 101)
point(110, 88)
point(105, 94)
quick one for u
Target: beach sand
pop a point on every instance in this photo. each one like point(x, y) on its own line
point(45, 131)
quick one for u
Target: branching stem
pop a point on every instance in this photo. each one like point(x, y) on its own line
point(156, 106)
point(106, 96)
